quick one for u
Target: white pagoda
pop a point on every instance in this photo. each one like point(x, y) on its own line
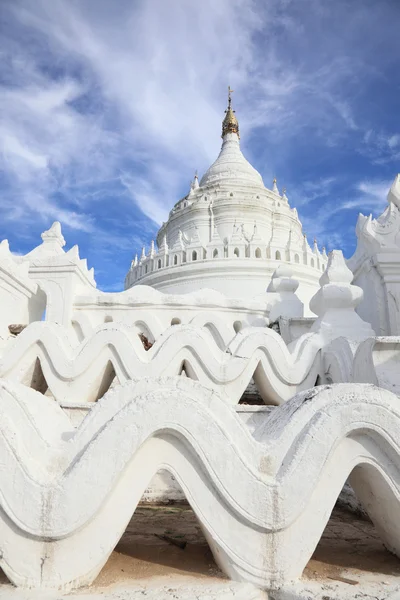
point(229, 233)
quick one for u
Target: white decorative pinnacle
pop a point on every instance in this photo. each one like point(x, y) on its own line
point(275, 186)
point(335, 303)
point(54, 235)
point(164, 245)
point(394, 192)
point(282, 299)
point(152, 250)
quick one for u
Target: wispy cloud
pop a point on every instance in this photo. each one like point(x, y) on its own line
point(105, 114)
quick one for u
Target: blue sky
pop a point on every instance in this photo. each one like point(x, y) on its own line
point(108, 107)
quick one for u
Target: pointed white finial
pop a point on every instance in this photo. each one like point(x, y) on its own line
point(284, 197)
point(275, 186)
point(335, 303)
point(143, 255)
point(54, 235)
point(152, 251)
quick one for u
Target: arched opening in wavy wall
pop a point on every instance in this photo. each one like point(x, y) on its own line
point(186, 370)
point(163, 538)
point(251, 396)
point(351, 547)
point(105, 381)
point(35, 379)
point(77, 328)
point(145, 334)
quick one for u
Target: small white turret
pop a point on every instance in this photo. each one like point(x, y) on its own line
point(336, 301)
point(151, 251)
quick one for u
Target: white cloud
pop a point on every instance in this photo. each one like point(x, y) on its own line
point(394, 141)
point(146, 85)
point(372, 195)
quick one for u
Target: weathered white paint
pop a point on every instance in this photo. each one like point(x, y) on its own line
point(263, 500)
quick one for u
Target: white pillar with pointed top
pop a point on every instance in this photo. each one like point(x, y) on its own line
point(336, 301)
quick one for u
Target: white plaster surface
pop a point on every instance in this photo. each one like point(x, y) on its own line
point(230, 233)
point(376, 265)
point(79, 373)
point(51, 517)
point(373, 587)
point(152, 589)
point(101, 394)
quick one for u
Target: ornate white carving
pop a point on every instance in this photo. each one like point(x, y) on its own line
point(378, 246)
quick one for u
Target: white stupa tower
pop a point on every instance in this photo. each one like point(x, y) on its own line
point(229, 233)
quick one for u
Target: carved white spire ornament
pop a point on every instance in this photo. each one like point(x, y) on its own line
point(336, 301)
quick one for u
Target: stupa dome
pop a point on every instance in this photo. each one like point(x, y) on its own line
point(229, 233)
point(231, 166)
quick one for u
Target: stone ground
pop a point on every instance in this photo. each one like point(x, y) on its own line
point(163, 556)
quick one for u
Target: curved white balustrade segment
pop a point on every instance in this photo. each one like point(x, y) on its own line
point(76, 373)
point(66, 496)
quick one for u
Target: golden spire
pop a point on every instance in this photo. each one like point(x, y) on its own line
point(230, 123)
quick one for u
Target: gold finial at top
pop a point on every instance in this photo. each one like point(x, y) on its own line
point(230, 123)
